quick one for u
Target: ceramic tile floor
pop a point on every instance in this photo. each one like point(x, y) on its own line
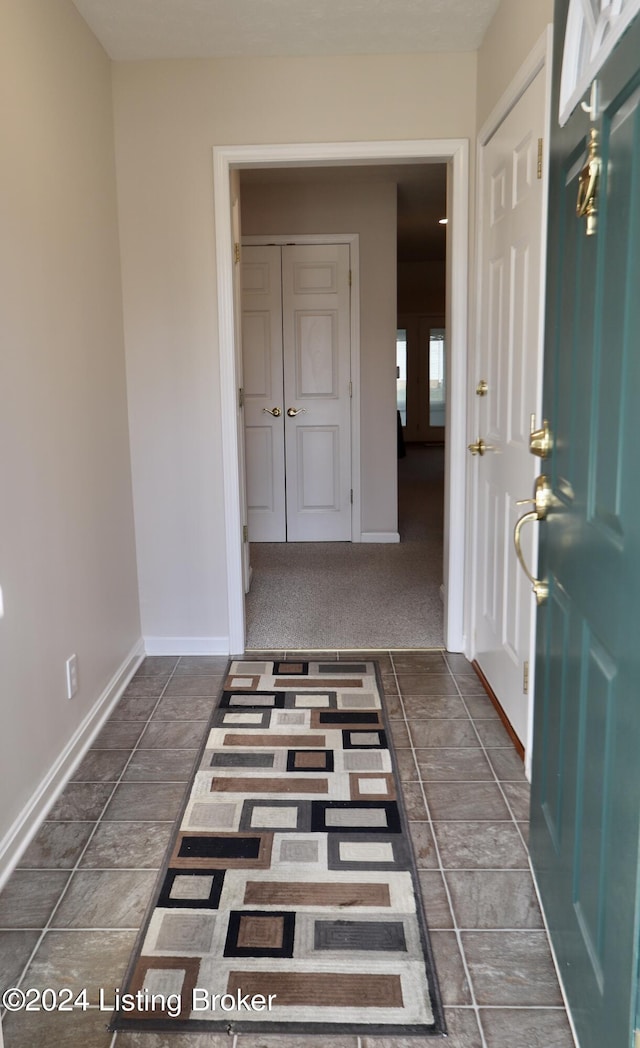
point(70, 912)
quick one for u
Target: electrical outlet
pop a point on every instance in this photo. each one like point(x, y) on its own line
point(71, 666)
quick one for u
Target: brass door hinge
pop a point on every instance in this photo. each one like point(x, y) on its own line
point(241, 397)
point(350, 278)
point(350, 389)
point(245, 532)
point(236, 253)
point(352, 496)
point(539, 158)
point(525, 677)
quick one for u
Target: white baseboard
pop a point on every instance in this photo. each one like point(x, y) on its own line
point(27, 824)
point(380, 536)
point(186, 645)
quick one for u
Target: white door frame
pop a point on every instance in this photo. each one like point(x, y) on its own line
point(353, 240)
point(539, 59)
point(455, 152)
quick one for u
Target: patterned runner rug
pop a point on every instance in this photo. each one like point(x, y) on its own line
point(290, 900)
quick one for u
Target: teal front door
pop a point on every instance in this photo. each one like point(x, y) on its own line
point(586, 752)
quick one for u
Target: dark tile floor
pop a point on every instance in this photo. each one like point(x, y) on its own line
point(70, 913)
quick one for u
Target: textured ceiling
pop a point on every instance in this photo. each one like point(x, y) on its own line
point(146, 29)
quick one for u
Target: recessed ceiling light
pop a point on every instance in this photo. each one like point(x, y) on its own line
point(443, 221)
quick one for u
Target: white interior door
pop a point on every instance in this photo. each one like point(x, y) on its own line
point(263, 393)
point(296, 331)
point(317, 384)
point(510, 362)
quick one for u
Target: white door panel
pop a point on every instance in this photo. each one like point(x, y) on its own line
point(317, 366)
point(263, 393)
point(296, 324)
point(510, 360)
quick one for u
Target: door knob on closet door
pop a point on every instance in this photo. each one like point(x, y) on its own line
point(276, 412)
point(292, 412)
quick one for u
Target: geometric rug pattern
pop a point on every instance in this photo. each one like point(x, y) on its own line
point(289, 901)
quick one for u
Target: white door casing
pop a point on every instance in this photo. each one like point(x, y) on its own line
point(454, 152)
point(263, 393)
point(317, 383)
point(512, 209)
point(234, 186)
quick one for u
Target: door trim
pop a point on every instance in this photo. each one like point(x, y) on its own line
point(539, 59)
point(353, 240)
point(454, 152)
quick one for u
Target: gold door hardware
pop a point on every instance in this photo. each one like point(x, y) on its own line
point(542, 497)
point(276, 412)
point(478, 448)
point(292, 412)
point(588, 184)
point(482, 388)
point(540, 440)
point(542, 502)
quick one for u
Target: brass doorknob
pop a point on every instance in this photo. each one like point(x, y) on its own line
point(539, 586)
point(276, 412)
point(292, 412)
point(540, 440)
point(478, 448)
point(543, 498)
point(542, 501)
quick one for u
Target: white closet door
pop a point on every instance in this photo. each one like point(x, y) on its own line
point(263, 393)
point(317, 358)
point(511, 363)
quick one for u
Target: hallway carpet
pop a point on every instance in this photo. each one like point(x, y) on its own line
point(315, 595)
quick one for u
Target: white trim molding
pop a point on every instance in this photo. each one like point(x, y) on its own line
point(186, 646)
point(21, 833)
point(538, 57)
point(455, 153)
point(380, 536)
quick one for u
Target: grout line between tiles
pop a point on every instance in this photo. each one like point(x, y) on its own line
point(441, 868)
point(516, 822)
point(497, 780)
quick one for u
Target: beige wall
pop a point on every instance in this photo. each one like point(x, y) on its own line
point(514, 30)
point(168, 116)
point(369, 210)
point(67, 553)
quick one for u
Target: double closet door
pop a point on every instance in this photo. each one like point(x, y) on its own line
point(296, 351)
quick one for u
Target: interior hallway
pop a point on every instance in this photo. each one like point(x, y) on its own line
point(358, 595)
point(70, 914)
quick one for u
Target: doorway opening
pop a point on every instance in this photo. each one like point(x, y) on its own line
point(453, 153)
point(309, 586)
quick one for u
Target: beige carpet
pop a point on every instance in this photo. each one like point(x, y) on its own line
point(308, 595)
